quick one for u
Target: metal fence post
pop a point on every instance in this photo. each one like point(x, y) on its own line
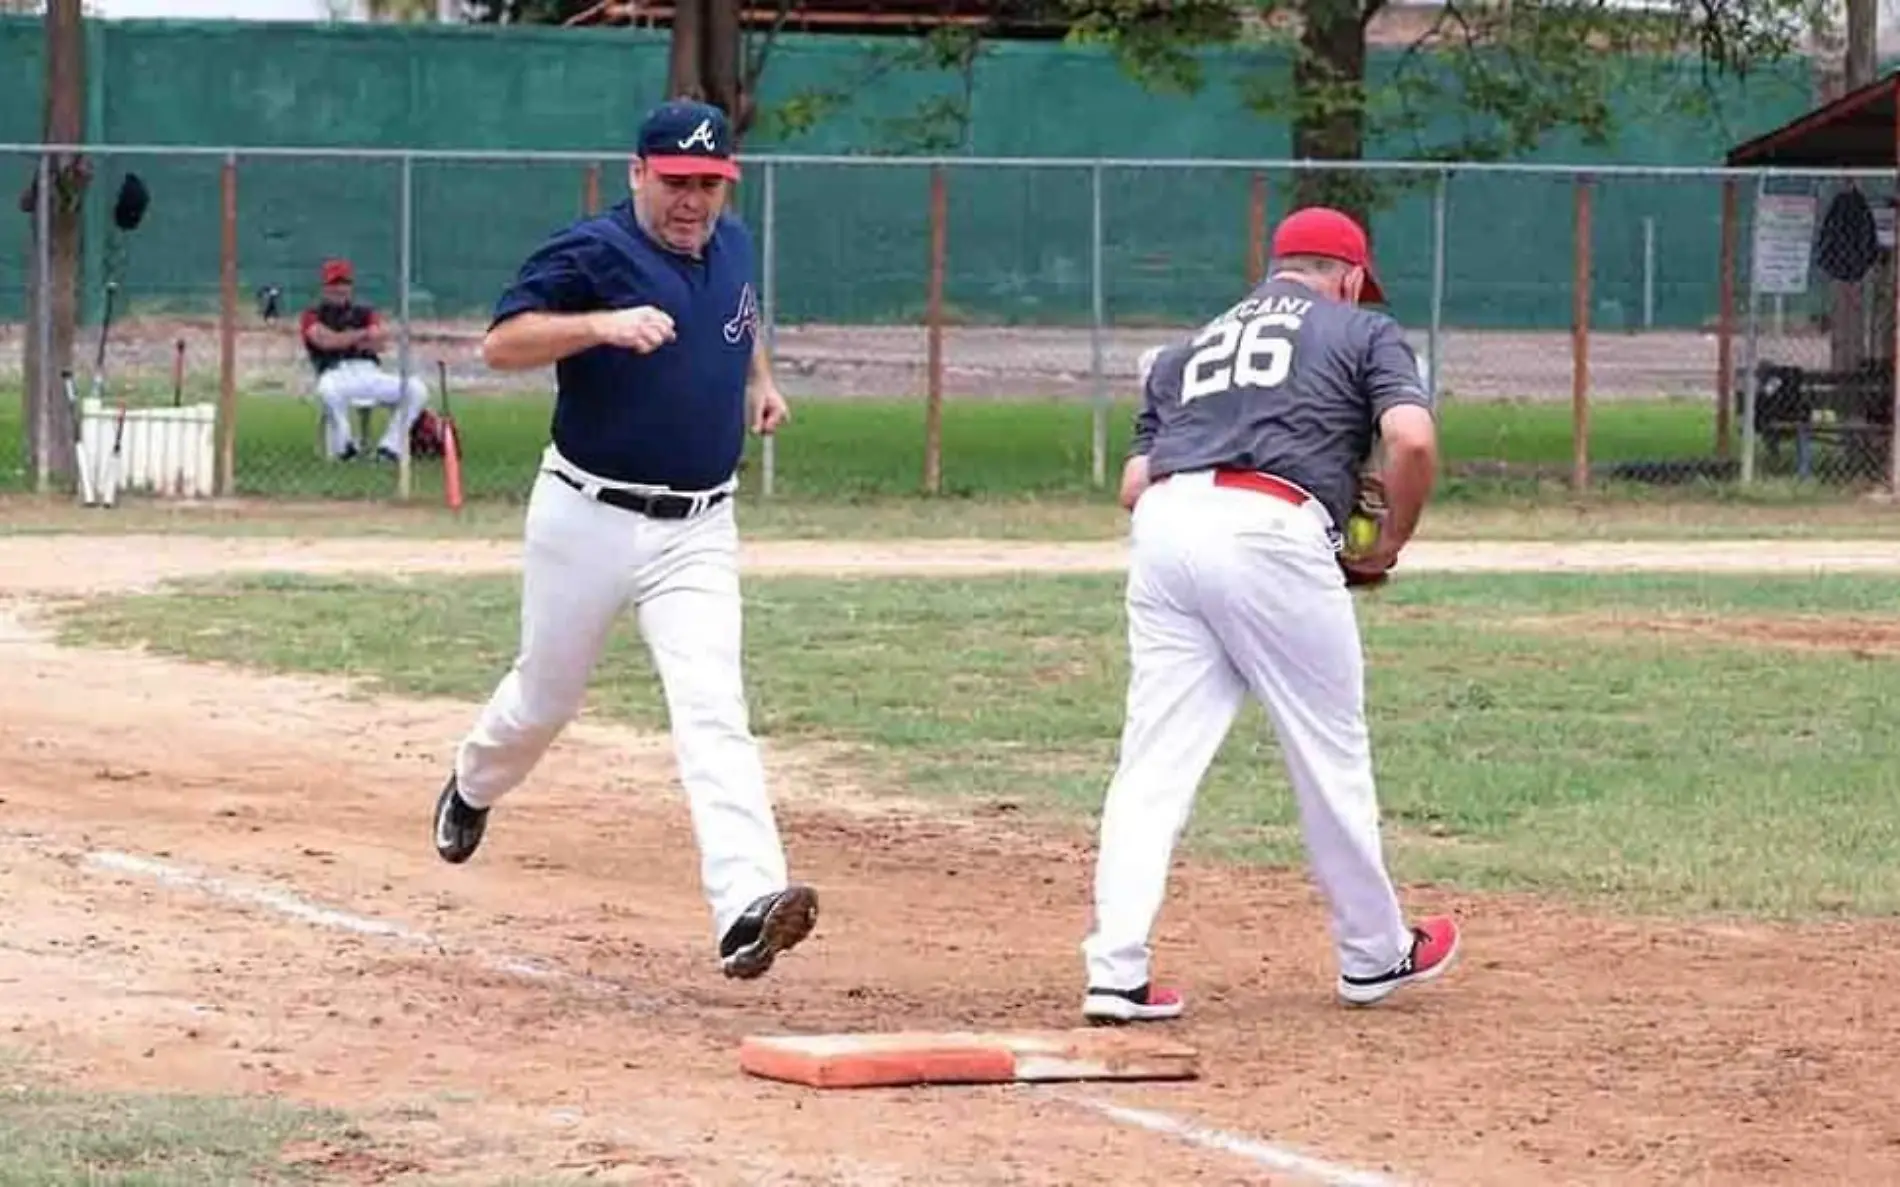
point(1580, 341)
point(1435, 335)
point(1649, 272)
point(933, 397)
point(1751, 345)
point(768, 238)
point(227, 329)
point(1098, 435)
point(405, 251)
point(43, 327)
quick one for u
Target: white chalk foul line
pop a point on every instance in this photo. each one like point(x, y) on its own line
point(289, 905)
point(1263, 1154)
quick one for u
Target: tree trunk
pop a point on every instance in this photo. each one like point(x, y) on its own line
point(684, 77)
point(1332, 123)
point(63, 121)
point(720, 60)
point(707, 58)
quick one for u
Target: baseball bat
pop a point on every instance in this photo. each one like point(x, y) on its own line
point(82, 466)
point(178, 374)
point(105, 328)
point(109, 489)
point(451, 445)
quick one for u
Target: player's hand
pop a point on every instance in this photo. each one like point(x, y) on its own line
point(1134, 481)
point(770, 410)
point(1372, 568)
point(643, 328)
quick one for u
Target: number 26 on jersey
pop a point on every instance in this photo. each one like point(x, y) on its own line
point(1257, 353)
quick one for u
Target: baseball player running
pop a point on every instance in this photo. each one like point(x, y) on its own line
point(1247, 453)
point(649, 316)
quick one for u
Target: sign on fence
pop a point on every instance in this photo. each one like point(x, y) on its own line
point(1784, 243)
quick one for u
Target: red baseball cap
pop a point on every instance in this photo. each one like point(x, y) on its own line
point(338, 272)
point(1330, 234)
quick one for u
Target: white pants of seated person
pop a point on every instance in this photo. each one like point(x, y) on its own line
point(1232, 592)
point(582, 563)
point(357, 382)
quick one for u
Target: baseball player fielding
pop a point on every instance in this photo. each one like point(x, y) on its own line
point(649, 315)
point(1244, 464)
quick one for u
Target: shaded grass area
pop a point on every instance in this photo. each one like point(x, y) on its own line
point(849, 449)
point(52, 1138)
point(1514, 749)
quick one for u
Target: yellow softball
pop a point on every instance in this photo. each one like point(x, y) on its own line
point(1361, 533)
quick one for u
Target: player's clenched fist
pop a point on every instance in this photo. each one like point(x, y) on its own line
point(643, 328)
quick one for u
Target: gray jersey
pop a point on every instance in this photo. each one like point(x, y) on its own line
point(1286, 382)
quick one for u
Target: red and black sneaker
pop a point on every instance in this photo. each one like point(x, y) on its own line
point(1104, 1007)
point(1434, 948)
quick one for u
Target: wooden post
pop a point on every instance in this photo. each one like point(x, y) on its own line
point(1725, 327)
point(590, 189)
point(1893, 357)
point(227, 333)
point(933, 402)
point(1257, 229)
point(1580, 345)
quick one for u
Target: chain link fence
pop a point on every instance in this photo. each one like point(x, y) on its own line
point(968, 325)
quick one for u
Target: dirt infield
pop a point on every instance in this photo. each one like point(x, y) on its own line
point(222, 881)
point(79, 563)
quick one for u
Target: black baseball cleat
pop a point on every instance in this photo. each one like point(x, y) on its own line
point(458, 826)
point(774, 923)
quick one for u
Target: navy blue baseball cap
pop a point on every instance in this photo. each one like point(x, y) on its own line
point(684, 138)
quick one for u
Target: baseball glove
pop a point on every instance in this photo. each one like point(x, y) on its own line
point(1365, 523)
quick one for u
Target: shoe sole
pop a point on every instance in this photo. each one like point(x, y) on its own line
point(1372, 995)
point(786, 925)
point(1119, 1011)
point(450, 854)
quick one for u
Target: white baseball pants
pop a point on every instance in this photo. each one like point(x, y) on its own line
point(583, 561)
point(358, 383)
point(1234, 592)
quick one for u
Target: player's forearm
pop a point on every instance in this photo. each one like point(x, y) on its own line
point(759, 372)
point(324, 338)
point(537, 339)
point(1410, 469)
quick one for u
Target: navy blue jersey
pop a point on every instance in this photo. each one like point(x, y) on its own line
point(674, 417)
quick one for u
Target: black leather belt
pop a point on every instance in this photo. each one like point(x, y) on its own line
point(658, 506)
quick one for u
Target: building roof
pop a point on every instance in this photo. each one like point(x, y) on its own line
point(840, 16)
point(1855, 131)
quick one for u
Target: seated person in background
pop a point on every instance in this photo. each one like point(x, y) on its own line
point(343, 340)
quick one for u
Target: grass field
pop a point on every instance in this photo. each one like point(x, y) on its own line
point(1530, 732)
point(841, 450)
point(56, 1137)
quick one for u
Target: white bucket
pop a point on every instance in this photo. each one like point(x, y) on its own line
point(169, 452)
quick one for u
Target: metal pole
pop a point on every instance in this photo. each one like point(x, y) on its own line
point(227, 327)
point(1435, 334)
point(1580, 341)
point(933, 315)
point(1649, 272)
point(1752, 345)
point(769, 281)
point(405, 260)
point(43, 327)
point(1098, 433)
